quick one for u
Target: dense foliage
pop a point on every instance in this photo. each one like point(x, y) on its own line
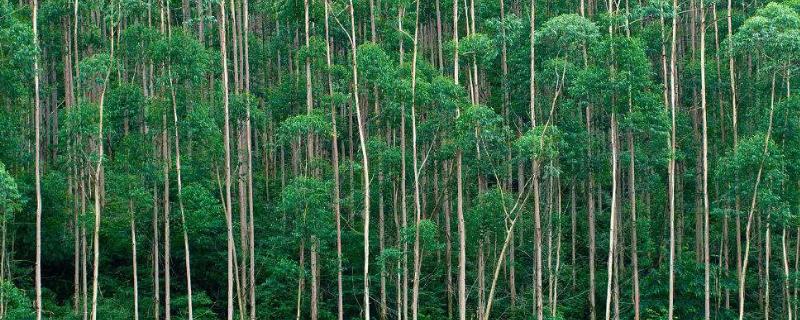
point(399, 159)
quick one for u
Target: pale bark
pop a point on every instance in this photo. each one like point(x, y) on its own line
point(612, 223)
point(227, 142)
point(364, 160)
point(788, 304)
point(706, 225)
point(417, 205)
point(133, 257)
point(462, 231)
point(335, 171)
point(535, 173)
point(97, 187)
point(184, 226)
point(167, 249)
point(156, 258)
point(37, 165)
point(753, 201)
point(673, 141)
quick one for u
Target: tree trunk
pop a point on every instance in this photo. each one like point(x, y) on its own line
point(673, 141)
point(364, 160)
point(416, 168)
point(706, 225)
point(133, 257)
point(97, 187)
point(156, 258)
point(612, 223)
point(167, 250)
point(37, 155)
point(753, 200)
point(227, 142)
point(462, 231)
point(786, 295)
point(335, 170)
point(185, 227)
point(535, 173)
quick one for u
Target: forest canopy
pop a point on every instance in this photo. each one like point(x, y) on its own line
point(399, 159)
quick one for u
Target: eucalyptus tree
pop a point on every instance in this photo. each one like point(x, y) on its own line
point(773, 35)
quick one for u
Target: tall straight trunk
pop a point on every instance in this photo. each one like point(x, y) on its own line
point(314, 278)
point(335, 170)
point(612, 224)
point(417, 205)
point(249, 142)
point(404, 202)
point(673, 141)
point(439, 48)
point(724, 252)
point(535, 173)
point(185, 227)
point(634, 225)
point(167, 250)
point(462, 230)
point(505, 110)
point(98, 185)
point(632, 190)
point(227, 142)
point(706, 225)
point(767, 256)
point(300, 280)
point(447, 206)
point(734, 125)
point(156, 251)
point(309, 94)
point(37, 162)
point(786, 295)
point(77, 245)
point(554, 304)
point(133, 257)
point(384, 308)
point(574, 214)
point(364, 160)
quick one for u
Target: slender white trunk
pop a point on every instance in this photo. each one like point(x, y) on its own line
point(364, 160)
point(227, 142)
point(37, 166)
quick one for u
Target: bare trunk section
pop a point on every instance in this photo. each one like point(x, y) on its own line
point(364, 160)
point(612, 223)
point(462, 231)
point(227, 142)
point(673, 141)
point(37, 155)
point(133, 257)
point(335, 170)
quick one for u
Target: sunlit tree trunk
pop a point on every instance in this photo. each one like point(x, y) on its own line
point(37, 165)
point(167, 250)
point(673, 140)
point(335, 170)
point(612, 224)
point(364, 160)
point(227, 142)
point(706, 225)
point(133, 257)
point(537, 224)
point(156, 258)
point(98, 185)
point(462, 231)
point(417, 204)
